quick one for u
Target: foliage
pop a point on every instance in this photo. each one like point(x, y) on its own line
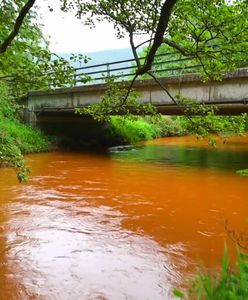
point(16, 139)
point(165, 125)
point(28, 64)
point(8, 106)
point(243, 172)
point(169, 62)
point(116, 100)
point(10, 155)
point(119, 130)
point(214, 33)
point(140, 14)
point(26, 138)
point(206, 123)
point(132, 129)
point(25, 65)
point(211, 35)
point(229, 285)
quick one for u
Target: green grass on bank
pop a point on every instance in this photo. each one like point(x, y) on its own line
point(26, 138)
point(229, 284)
point(17, 139)
point(135, 129)
point(139, 128)
point(243, 172)
point(132, 131)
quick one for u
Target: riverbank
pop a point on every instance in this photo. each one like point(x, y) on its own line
point(16, 140)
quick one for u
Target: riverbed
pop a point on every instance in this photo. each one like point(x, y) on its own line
point(125, 223)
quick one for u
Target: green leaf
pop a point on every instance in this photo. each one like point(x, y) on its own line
point(178, 294)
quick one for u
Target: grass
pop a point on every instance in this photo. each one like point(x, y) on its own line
point(228, 285)
point(135, 129)
point(17, 139)
point(243, 172)
point(132, 130)
point(25, 137)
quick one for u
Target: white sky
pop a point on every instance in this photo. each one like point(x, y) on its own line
point(67, 34)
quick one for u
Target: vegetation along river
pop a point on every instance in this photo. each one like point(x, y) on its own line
point(127, 224)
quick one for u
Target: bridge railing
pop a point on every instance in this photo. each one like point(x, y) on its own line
point(165, 64)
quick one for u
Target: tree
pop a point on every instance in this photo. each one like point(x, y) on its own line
point(214, 32)
point(131, 17)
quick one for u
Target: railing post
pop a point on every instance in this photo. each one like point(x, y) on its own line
point(75, 78)
point(108, 69)
point(153, 69)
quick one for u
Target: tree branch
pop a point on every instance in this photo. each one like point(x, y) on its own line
point(18, 23)
point(177, 103)
point(159, 35)
point(174, 45)
point(163, 88)
point(135, 54)
point(145, 42)
point(128, 90)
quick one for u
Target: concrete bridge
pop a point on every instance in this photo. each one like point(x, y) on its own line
point(55, 108)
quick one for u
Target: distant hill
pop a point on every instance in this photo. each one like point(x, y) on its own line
point(101, 57)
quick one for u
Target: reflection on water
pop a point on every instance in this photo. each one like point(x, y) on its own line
point(178, 155)
point(123, 225)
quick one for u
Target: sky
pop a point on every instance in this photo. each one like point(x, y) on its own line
point(67, 34)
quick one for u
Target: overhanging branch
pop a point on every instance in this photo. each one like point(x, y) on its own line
point(18, 23)
point(159, 35)
point(176, 46)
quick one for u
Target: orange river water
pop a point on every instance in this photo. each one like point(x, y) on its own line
point(122, 224)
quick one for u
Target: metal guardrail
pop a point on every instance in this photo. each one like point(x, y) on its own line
point(166, 64)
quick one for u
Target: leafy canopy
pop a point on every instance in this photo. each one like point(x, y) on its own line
point(213, 32)
point(27, 64)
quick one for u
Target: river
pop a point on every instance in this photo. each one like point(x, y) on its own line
point(120, 224)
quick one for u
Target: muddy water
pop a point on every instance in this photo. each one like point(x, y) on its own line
point(122, 224)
